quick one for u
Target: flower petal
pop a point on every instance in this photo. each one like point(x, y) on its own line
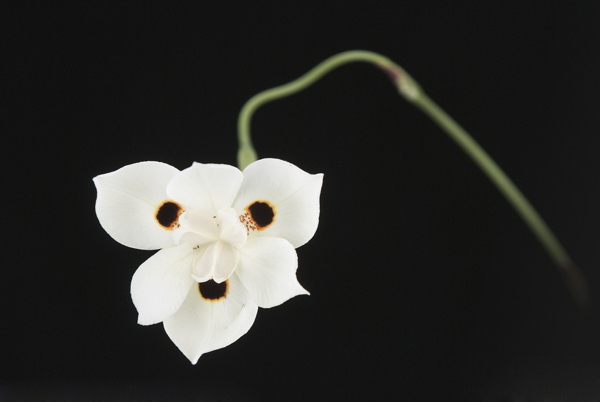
point(129, 201)
point(278, 199)
point(232, 230)
point(201, 272)
point(206, 187)
point(267, 269)
point(201, 325)
point(196, 228)
point(218, 261)
point(161, 284)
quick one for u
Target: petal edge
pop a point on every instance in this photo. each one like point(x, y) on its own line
point(292, 193)
point(267, 268)
point(128, 201)
point(161, 283)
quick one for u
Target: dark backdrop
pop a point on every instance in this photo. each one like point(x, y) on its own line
point(424, 282)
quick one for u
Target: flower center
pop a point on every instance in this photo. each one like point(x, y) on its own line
point(217, 239)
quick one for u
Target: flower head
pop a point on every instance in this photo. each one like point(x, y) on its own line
point(227, 242)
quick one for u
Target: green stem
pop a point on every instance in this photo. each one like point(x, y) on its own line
point(412, 92)
point(246, 152)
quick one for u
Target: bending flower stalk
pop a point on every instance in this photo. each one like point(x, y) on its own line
point(413, 93)
point(227, 242)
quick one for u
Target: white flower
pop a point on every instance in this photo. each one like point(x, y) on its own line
point(227, 242)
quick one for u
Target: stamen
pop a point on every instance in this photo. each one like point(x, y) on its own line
point(248, 222)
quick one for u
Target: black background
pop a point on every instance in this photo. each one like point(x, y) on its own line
point(424, 283)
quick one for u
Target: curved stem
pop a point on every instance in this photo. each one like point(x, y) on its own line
point(412, 92)
point(246, 152)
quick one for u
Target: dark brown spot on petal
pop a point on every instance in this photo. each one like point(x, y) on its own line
point(213, 291)
point(167, 214)
point(262, 213)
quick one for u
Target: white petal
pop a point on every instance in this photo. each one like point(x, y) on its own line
point(201, 272)
point(201, 326)
point(232, 230)
point(128, 201)
point(206, 187)
point(196, 228)
point(267, 269)
point(227, 262)
point(218, 262)
point(292, 193)
point(160, 284)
